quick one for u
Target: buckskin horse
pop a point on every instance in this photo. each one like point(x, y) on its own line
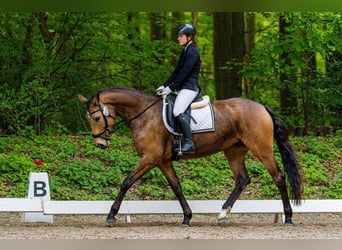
point(241, 125)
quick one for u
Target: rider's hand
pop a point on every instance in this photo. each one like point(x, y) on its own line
point(159, 91)
point(166, 91)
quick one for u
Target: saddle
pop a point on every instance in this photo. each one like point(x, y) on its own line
point(201, 114)
point(200, 111)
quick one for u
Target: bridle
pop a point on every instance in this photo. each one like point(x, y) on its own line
point(105, 113)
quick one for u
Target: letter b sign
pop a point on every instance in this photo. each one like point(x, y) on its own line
point(39, 186)
point(39, 189)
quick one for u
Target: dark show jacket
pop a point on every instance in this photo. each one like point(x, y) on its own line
point(185, 75)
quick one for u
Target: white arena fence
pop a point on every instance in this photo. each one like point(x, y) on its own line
point(132, 207)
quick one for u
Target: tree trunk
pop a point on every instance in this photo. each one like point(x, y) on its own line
point(176, 19)
point(228, 53)
point(194, 16)
point(249, 45)
point(133, 31)
point(288, 101)
point(333, 68)
point(157, 29)
point(43, 26)
point(308, 74)
point(333, 64)
point(238, 49)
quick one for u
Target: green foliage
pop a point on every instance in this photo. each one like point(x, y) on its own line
point(46, 59)
point(321, 160)
point(76, 168)
point(80, 171)
point(317, 94)
point(49, 60)
point(334, 191)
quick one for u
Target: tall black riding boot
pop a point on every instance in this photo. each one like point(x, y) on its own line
point(184, 124)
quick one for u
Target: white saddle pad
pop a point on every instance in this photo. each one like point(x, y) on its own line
point(202, 119)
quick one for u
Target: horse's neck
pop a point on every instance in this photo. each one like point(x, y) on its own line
point(125, 103)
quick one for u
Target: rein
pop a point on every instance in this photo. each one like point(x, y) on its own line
point(122, 122)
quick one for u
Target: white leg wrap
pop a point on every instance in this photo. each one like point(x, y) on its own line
point(222, 214)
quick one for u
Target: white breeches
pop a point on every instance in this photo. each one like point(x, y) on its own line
point(183, 100)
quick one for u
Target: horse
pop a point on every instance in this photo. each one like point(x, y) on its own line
point(241, 125)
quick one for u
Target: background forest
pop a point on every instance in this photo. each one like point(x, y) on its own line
point(289, 61)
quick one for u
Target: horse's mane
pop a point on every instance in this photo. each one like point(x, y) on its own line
point(132, 91)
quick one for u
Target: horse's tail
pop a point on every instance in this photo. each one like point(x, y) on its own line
point(288, 156)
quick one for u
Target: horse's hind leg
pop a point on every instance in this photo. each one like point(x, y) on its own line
point(265, 154)
point(236, 158)
point(279, 179)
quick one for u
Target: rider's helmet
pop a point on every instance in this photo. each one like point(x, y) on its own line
point(186, 29)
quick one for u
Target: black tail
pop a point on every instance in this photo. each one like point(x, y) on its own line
point(288, 157)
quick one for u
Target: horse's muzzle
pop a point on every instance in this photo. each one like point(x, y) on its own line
point(103, 144)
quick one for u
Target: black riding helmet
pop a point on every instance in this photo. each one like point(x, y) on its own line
point(186, 29)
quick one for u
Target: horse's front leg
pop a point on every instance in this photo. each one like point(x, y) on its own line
point(173, 181)
point(132, 177)
point(126, 184)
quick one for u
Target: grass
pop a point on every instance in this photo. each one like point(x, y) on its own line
point(80, 171)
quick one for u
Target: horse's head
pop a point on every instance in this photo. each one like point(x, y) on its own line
point(101, 119)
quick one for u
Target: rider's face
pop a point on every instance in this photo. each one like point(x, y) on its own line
point(182, 39)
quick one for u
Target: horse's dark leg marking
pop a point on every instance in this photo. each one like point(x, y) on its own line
point(281, 184)
point(139, 171)
point(126, 184)
point(173, 180)
point(240, 185)
point(279, 180)
point(235, 157)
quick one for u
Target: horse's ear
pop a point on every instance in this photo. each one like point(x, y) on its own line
point(82, 98)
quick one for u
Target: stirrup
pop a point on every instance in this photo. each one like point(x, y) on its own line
point(190, 150)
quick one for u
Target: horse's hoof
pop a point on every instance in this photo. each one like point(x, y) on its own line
point(288, 222)
point(185, 225)
point(222, 221)
point(110, 222)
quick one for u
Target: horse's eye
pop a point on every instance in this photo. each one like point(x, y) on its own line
point(97, 118)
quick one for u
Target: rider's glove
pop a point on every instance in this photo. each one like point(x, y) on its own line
point(159, 90)
point(166, 91)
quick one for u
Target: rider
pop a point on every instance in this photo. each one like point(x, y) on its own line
point(184, 80)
